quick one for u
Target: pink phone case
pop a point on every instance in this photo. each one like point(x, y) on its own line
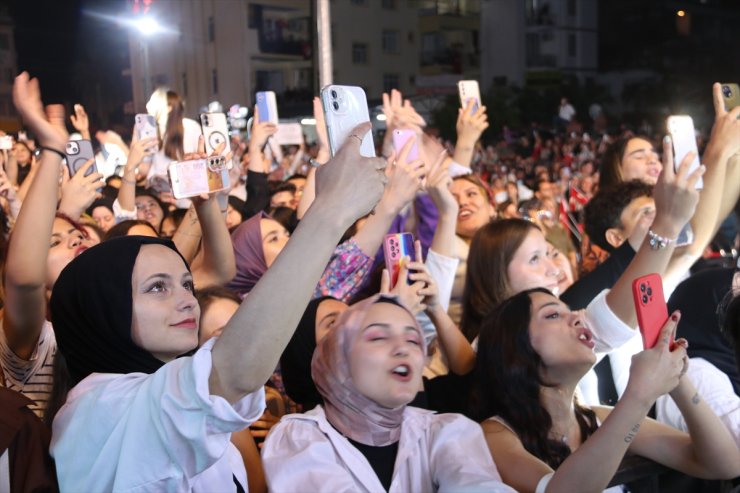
point(650, 306)
point(396, 247)
point(400, 137)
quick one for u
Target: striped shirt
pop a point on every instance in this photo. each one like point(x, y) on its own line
point(32, 377)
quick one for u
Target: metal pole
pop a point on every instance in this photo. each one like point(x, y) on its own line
point(323, 24)
point(145, 60)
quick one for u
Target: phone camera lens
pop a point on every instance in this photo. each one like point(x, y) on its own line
point(644, 298)
point(642, 288)
point(650, 291)
point(334, 94)
point(335, 105)
point(726, 91)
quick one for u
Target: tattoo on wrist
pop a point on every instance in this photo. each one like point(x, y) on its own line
point(633, 432)
point(696, 399)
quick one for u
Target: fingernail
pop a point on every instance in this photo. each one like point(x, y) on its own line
point(676, 316)
point(667, 139)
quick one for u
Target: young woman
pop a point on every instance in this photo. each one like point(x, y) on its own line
point(532, 353)
point(122, 326)
point(365, 437)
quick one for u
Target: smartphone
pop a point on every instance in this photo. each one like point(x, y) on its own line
point(267, 106)
point(400, 137)
point(198, 176)
point(215, 131)
point(650, 306)
point(683, 135)
point(731, 95)
point(345, 107)
point(396, 247)
point(145, 126)
point(78, 153)
point(468, 90)
point(6, 142)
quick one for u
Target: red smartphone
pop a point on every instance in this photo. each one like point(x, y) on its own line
point(396, 247)
point(400, 137)
point(652, 311)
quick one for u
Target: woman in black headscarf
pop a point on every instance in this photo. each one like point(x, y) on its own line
point(120, 331)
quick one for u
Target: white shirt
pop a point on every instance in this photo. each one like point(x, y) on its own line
point(436, 452)
point(716, 390)
point(141, 432)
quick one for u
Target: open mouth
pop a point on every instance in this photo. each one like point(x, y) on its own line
point(587, 338)
point(464, 214)
point(402, 372)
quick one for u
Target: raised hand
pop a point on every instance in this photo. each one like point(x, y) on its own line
point(657, 371)
point(48, 125)
point(675, 195)
point(726, 130)
point(80, 191)
point(261, 131)
point(404, 178)
point(471, 124)
point(351, 184)
point(438, 183)
point(80, 121)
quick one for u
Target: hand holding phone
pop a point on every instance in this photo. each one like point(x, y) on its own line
point(651, 308)
point(215, 132)
point(78, 153)
point(345, 107)
point(469, 90)
point(400, 137)
point(683, 136)
point(396, 248)
point(267, 106)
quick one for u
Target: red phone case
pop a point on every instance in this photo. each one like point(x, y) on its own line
point(652, 311)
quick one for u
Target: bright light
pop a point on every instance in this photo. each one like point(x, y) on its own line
point(380, 117)
point(148, 26)
point(680, 13)
point(308, 121)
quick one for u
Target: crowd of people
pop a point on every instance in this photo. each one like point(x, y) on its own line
point(252, 340)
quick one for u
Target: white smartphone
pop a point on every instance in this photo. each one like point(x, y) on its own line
point(468, 90)
point(267, 106)
point(683, 135)
point(146, 128)
point(345, 107)
point(215, 131)
point(198, 176)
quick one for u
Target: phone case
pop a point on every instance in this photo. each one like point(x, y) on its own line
point(731, 95)
point(469, 89)
point(267, 106)
point(395, 248)
point(650, 306)
point(146, 126)
point(198, 176)
point(400, 137)
point(215, 131)
point(681, 128)
point(345, 107)
point(78, 153)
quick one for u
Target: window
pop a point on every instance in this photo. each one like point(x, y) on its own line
point(214, 81)
point(211, 30)
point(390, 41)
point(390, 81)
point(359, 53)
point(571, 45)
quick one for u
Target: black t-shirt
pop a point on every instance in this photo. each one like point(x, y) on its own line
point(382, 459)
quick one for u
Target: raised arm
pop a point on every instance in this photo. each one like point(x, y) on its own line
point(323, 156)
point(139, 150)
point(675, 202)
point(245, 355)
point(81, 122)
point(26, 264)
point(219, 265)
point(79, 191)
point(470, 126)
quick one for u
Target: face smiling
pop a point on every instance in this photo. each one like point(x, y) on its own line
point(165, 311)
point(475, 211)
point(386, 359)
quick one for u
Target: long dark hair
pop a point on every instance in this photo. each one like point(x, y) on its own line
point(507, 380)
point(486, 282)
point(174, 132)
